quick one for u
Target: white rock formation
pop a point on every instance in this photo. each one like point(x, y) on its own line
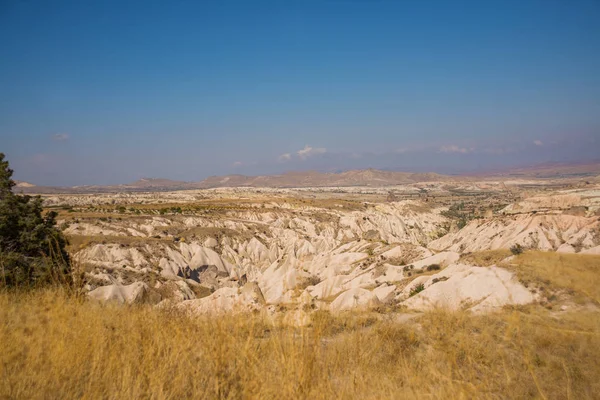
point(475, 288)
point(354, 299)
point(323, 252)
point(121, 294)
point(227, 299)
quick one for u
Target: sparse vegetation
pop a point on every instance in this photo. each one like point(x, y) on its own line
point(417, 289)
point(516, 249)
point(434, 267)
point(459, 213)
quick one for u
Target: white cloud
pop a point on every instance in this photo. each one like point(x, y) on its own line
point(455, 149)
point(237, 164)
point(538, 142)
point(308, 151)
point(285, 157)
point(60, 137)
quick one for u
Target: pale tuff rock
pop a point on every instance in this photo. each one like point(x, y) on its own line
point(583, 202)
point(278, 279)
point(94, 230)
point(328, 288)
point(565, 248)
point(354, 299)
point(210, 242)
point(385, 293)
point(111, 255)
point(227, 299)
point(593, 250)
point(544, 203)
point(475, 288)
point(391, 273)
point(134, 293)
point(190, 258)
point(544, 232)
point(196, 256)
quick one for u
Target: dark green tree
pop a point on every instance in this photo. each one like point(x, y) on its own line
point(32, 249)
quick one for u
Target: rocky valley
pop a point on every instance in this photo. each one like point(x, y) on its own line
point(289, 252)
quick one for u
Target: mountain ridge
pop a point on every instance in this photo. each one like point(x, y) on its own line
point(356, 177)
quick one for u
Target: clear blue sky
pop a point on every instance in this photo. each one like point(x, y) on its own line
point(98, 91)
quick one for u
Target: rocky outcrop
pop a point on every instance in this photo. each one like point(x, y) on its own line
point(466, 287)
point(137, 292)
point(247, 298)
point(543, 232)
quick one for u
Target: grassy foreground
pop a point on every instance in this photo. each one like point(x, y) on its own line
point(56, 346)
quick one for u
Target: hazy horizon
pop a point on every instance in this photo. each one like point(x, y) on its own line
point(110, 92)
point(488, 171)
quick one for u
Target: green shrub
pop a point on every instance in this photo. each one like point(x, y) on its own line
point(517, 249)
point(417, 289)
point(32, 249)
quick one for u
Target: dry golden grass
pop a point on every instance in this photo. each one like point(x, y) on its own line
point(485, 258)
point(56, 346)
point(577, 274)
point(78, 242)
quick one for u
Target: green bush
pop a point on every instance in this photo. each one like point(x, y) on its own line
point(417, 289)
point(32, 249)
point(517, 249)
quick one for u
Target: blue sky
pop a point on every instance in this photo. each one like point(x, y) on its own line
point(99, 92)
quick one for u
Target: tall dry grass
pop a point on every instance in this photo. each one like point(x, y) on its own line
point(58, 346)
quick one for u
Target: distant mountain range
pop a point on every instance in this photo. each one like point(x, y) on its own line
point(367, 177)
point(552, 170)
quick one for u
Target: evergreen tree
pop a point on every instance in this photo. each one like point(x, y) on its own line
point(32, 249)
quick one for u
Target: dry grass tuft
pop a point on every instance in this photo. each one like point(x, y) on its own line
point(56, 346)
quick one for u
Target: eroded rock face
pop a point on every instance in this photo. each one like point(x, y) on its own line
point(543, 232)
point(137, 292)
point(327, 255)
point(247, 298)
point(466, 287)
point(355, 299)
